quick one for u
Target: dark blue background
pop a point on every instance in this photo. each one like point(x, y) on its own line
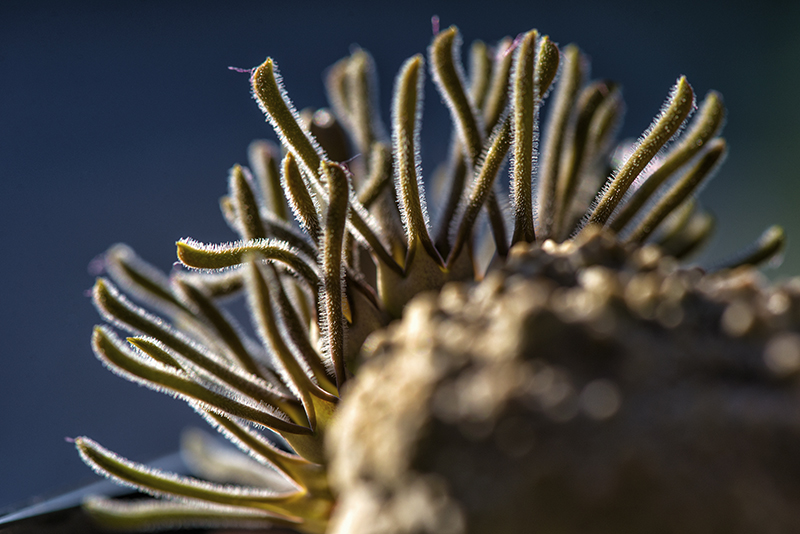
point(119, 123)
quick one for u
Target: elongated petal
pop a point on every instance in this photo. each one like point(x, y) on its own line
point(482, 187)
point(351, 84)
point(304, 207)
point(498, 223)
point(291, 506)
point(332, 275)
point(706, 124)
point(680, 191)
point(548, 58)
point(497, 99)
point(363, 101)
point(604, 125)
point(766, 247)
point(274, 102)
point(120, 311)
point(406, 114)
point(455, 178)
point(244, 202)
point(297, 334)
point(364, 227)
point(210, 459)
point(306, 474)
point(576, 152)
point(141, 279)
point(218, 284)
point(159, 377)
point(197, 255)
point(260, 304)
point(573, 72)
point(678, 106)
point(688, 237)
point(380, 177)
point(283, 231)
point(328, 132)
point(337, 88)
point(263, 157)
point(480, 73)
point(152, 348)
point(536, 65)
point(448, 75)
point(222, 325)
point(523, 127)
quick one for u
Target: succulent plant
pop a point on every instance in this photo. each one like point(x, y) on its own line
point(335, 240)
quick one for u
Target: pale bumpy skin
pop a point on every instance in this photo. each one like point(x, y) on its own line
point(581, 389)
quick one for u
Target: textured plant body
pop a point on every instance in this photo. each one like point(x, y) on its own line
point(587, 388)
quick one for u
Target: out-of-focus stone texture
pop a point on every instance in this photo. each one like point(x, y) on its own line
point(581, 389)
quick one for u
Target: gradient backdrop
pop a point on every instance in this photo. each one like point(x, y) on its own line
point(119, 123)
